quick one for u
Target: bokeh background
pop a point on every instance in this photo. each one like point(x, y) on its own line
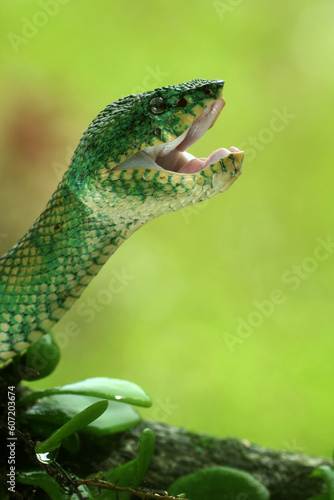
point(198, 321)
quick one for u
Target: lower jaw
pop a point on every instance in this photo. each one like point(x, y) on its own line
point(230, 164)
point(198, 164)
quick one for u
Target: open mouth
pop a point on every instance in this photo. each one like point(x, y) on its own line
point(173, 157)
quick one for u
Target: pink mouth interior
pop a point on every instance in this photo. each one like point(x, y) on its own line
point(176, 162)
point(198, 164)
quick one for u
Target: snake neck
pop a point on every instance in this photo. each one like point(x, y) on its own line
point(51, 265)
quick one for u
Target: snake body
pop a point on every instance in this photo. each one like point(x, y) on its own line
point(129, 167)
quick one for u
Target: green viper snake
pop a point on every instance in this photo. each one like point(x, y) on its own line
point(129, 167)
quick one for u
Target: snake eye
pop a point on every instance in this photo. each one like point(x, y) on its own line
point(157, 105)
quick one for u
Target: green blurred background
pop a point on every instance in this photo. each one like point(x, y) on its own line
point(193, 277)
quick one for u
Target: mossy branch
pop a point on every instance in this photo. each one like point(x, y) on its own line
point(179, 452)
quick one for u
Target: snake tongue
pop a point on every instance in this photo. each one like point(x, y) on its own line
point(198, 164)
point(193, 166)
point(202, 123)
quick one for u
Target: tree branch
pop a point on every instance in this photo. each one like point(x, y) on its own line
point(179, 452)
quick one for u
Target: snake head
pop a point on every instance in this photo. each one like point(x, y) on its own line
point(132, 161)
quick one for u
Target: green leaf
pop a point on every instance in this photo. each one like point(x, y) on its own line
point(99, 387)
point(146, 448)
point(42, 480)
point(131, 473)
point(327, 474)
point(76, 423)
point(56, 410)
point(42, 357)
point(217, 482)
point(42, 430)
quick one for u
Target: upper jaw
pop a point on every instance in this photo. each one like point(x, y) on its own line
point(172, 156)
